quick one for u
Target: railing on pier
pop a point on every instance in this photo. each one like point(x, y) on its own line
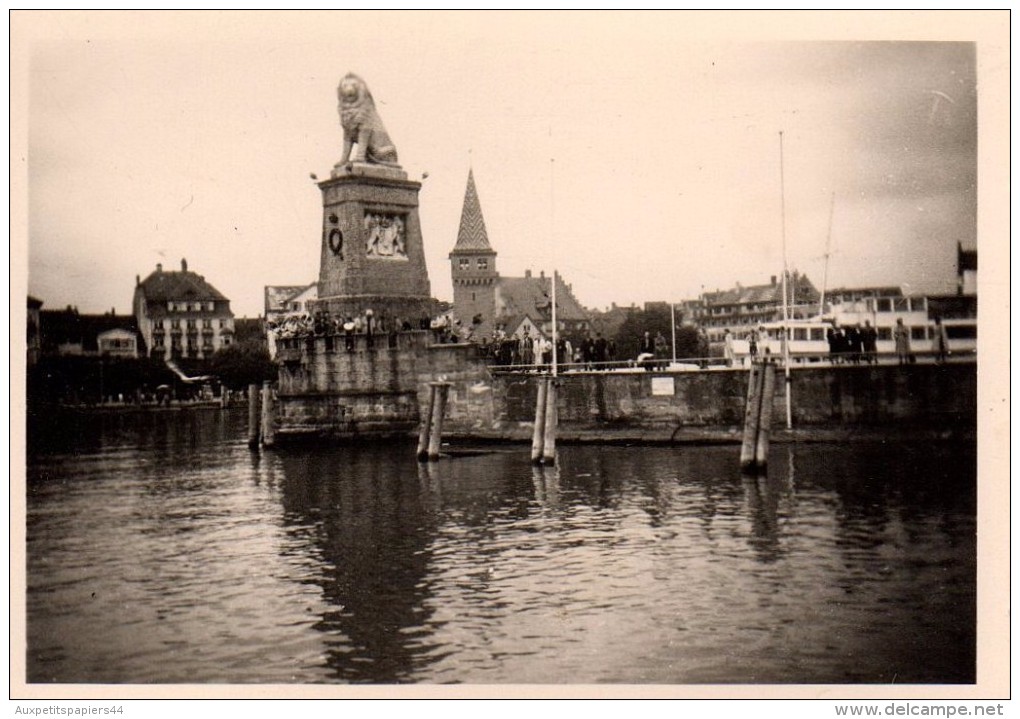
point(696, 364)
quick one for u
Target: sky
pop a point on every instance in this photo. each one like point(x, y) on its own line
point(639, 154)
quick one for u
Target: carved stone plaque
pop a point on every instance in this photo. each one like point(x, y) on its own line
point(385, 236)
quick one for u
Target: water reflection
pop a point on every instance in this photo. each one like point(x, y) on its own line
point(210, 562)
point(371, 533)
point(762, 495)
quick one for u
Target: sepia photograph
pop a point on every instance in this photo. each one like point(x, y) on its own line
point(558, 353)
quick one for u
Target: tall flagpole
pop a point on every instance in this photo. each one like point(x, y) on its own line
point(786, 306)
point(672, 318)
point(552, 240)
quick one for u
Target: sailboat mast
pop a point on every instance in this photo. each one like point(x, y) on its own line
point(828, 244)
point(786, 305)
point(552, 238)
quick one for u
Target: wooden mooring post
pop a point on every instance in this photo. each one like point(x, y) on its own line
point(543, 438)
point(768, 389)
point(752, 413)
point(538, 434)
point(268, 427)
point(551, 422)
point(761, 384)
point(430, 436)
point(439, 411)
point(426, 425)
point(253, 415)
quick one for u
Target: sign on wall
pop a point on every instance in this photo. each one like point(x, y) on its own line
point(663, 386)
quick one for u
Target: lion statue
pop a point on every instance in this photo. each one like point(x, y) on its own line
point(363, 128)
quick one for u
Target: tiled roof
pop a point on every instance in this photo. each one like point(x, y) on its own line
point(801, 288)
point(161, 286)
point(276, 296)
point(525, 295)
point(472, 237)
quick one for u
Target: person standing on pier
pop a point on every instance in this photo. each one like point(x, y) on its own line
point(902, 337)
point(728, 352)
point(869, 338)
point(940, 341)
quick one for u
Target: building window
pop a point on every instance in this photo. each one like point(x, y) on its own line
point(210, 306)
point(901, 304)
point(158, 324)
point(918, 333)
point(800, 334)
point(226, 341)
point(207, 324)
point(223, 323)
point(175, 324)
point(883, 305)
point(961, 332)
point(483, 263)
point(157, 341)
point(191, 324)
point(885, 333)
point(464, 263)
point(817, 334)
point(919, 304)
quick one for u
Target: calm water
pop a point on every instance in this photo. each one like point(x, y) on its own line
point(160, 549)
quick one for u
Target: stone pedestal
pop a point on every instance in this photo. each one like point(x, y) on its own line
point(372, 254)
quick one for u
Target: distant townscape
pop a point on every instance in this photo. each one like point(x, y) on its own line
point(186, 343)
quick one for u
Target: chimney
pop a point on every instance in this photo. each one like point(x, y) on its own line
point(541, 274)
point(527, 273)
point(184, 265)
point(138, 280)
point(159, 267)
point(773, 280)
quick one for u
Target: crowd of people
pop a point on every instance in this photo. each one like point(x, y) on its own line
point(853, 344)
point(321, 323)
point(505, 350)
point(850, 344)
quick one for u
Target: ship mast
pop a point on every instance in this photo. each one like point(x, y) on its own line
point(828, 244)
point(786, 305)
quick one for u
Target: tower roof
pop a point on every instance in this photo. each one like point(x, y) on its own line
point(472, 237)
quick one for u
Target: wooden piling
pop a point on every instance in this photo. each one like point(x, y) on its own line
point(268, 430)
point(551, 422)
point(768, 389)
point(426, 425)
point(436, 433)
point(752, 413)
point(253, 415)
point(538, 435)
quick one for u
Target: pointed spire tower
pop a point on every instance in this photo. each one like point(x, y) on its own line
point(473, 264)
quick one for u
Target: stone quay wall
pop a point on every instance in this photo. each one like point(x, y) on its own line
point(377, 388)
point(382, 390)
point(827, 402)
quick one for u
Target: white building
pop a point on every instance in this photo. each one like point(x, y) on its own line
point(179, 314)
